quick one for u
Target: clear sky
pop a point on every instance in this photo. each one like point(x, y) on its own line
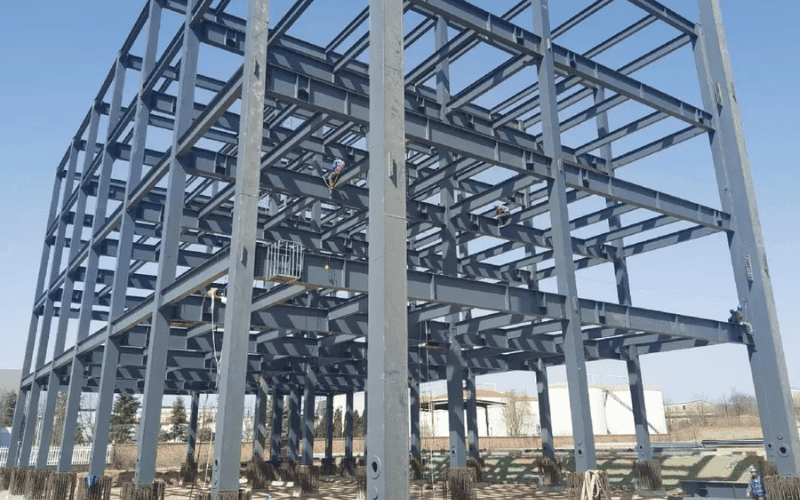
point(55, 54)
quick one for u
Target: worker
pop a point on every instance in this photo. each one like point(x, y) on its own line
point(333, 178)
point(755, 487)
point(502, 214)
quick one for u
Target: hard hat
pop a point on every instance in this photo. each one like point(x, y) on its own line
point(752, 469)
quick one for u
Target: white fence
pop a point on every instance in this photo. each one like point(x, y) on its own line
point(81, 455)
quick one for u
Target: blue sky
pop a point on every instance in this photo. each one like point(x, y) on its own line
point(56, 53)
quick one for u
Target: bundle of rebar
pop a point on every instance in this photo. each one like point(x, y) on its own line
point(243, 494)
point(5, 477)
point(460, 483)
point(416, 468)
point(549, 469)
point(476, 464)
point(259, 473)
point(287, 471)
point(188, 472)
point(782, 487)
point(61, 486)
point(306, 479)
point(361, 483)
point(101, 490)
point(17, 483)
point(647, 474)
point(589, 485)
point(36, 484)
point(348, 467)
point(148, 491)
point(328, 467)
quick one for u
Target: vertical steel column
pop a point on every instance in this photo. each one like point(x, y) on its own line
point(746, 243)
point(294, 423)
point(348, 425)
point(31, 417)
point(108, 375)
point(387, 366)
point(119, 286)
point(22, 396)
point(77, 375)
point(277, 424)
point(260, 421)
point(44, 334)
point(562, 250)
point(643, 448)
point(233, 361)
point(416, 449)
point(329, 427)
point(309, 400)
point(158, 344)
point(472, 417)
point(191, 442)
point(545, 422)
point(63, 317)
point(455, 364)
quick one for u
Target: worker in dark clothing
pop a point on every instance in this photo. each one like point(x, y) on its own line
point(502, 214)
point(333, 178)
point(755, 487)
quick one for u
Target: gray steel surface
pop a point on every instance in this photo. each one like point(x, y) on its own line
point(408, 274)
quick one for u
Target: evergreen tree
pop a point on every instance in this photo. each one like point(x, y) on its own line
point(179, 423)
point(359, 426)
point(123, 419)
point(321, 427)
point(8, 401)
point(337, 423)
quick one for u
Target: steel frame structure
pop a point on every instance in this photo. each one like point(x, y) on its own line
point(413, 285)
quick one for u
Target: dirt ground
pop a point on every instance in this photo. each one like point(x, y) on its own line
point(345, 489)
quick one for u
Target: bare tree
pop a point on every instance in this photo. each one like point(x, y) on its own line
point(518, 414)
point(742, 404)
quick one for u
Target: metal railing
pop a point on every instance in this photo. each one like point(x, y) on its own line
point(81, 455)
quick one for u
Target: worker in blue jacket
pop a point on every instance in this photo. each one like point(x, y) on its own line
point(755, 488)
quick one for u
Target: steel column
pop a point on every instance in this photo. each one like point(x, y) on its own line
point(416, 450)
point(294, 424)
point(277, 424)
point(746, 243)
point(348, 425)
point(233, 361)
point(77, 367)
point(111, 350)
point(160, 316)
point(31, 417)
point(643, 449)
point(260, 422)
point(309, 403)
point(472, 417)
point(329, 427)
point(562, 250)
point(387, 367)
point(191, 442)
point(545, 422)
